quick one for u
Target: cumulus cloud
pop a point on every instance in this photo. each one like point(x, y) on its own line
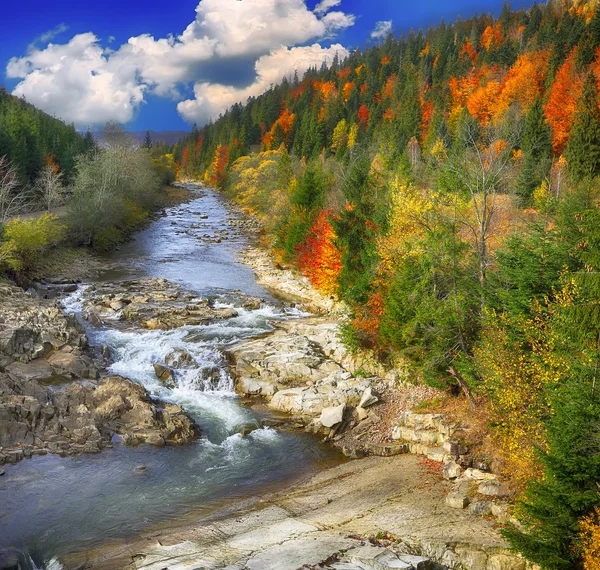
point(212, 99)
point(78, 82)
point(382, 29)
point(225, 45)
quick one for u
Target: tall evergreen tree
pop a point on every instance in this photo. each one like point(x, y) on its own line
point(583, 149)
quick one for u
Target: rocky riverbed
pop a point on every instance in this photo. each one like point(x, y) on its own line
point(52, 396)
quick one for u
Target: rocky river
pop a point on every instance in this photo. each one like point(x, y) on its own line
point(136, 316)
point(175, 412)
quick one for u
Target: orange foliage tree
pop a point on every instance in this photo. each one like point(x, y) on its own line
point(219, 163)
point(318, 258)
point(562, 102)
point(285, 122)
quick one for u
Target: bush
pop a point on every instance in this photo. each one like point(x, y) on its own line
point(24, 242)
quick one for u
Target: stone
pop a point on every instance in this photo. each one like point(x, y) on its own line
point(506, 562)
point(38, 370)
point(2, 472)
point(164, 374)
point(457, 499)
point(156, 440)
point(480, 508)
point(478, 474)
point(140, 468)
point(332, 416)
point(361, 413)
point(451, 470)
point(490, 487)
point(368, 398)
point(179, 358)
point(374, 558)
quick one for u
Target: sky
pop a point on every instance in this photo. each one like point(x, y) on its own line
point(165, 65)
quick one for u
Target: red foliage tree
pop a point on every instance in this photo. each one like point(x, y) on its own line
point(318, 258)
point(363, 116)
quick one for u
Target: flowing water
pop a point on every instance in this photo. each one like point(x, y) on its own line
point(50, 505)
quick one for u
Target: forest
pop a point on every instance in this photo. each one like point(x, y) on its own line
point(444, 185)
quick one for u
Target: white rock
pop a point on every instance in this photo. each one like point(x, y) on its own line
point(478, 475)
point(332, 416)
point(369, 398)
point(451, 470)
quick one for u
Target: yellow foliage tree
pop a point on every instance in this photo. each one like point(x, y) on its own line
point(589, 533)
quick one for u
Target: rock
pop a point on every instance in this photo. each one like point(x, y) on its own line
point(374, 558)
point(368, 398)
point(505, 562)
point(179, 358)
point(153, 304)
point(480, 508)
point(140, 468)
point(38, 370)
point(451, 470)
point(457, 500)
point(478, 475)
point(72, 364)
point(332, 416)
point(490, 487)
point(156, 440)
point(164, 374)
point(2, 472)
point(361, 413)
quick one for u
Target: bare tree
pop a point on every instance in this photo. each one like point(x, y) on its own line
point(49, 187)
point(13, 202)
point(484, 171)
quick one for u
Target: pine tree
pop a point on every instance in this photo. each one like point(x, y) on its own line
point(583, 149)
point(147, 141)
point(537, 147)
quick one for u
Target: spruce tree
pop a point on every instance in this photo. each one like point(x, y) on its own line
point(537, 148)
point(583, 149)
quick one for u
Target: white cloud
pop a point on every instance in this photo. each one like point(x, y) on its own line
point(326, 5)
point(51, 34)
point(212, 99)
point(382, 29)
point(83, 82)
point(77, 82)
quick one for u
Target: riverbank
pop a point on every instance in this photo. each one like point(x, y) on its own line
point(359, 515)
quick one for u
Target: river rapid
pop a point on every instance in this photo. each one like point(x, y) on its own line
point(50, 506)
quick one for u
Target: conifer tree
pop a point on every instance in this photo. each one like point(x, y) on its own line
point(537, 147)
point(583, 149)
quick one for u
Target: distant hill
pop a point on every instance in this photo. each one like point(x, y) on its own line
point(168, 137)
point(29, 138)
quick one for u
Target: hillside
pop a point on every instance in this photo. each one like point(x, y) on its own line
point(29, 138)
point(444, 185)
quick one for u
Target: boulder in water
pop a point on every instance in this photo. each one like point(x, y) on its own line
point(179, 358)
point(164, 374)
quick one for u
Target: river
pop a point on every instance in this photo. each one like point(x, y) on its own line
point(50, 506)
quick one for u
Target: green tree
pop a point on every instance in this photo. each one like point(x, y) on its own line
point(583, 149)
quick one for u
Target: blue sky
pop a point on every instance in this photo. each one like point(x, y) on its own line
point(92, 74)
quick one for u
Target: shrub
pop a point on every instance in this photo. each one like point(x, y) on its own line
point(25, 241)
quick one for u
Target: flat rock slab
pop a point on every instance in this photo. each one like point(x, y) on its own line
point(296, 553)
